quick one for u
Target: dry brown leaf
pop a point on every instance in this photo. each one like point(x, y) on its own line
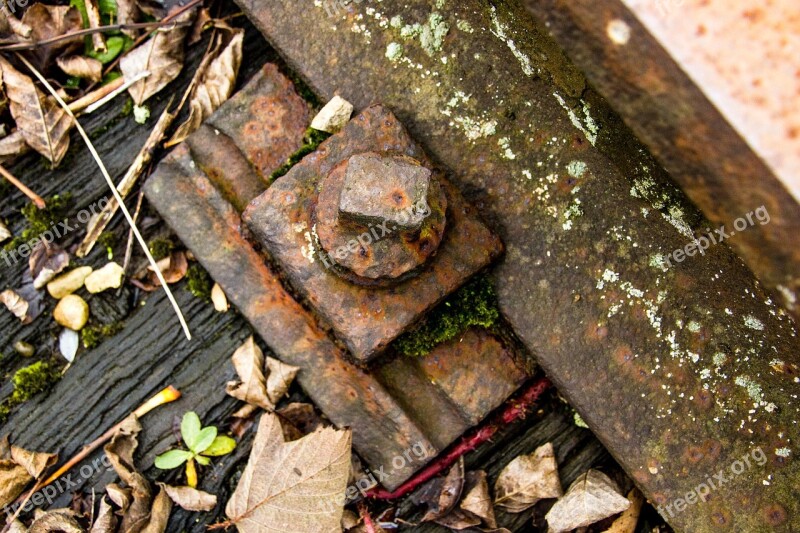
point(159, 514)
point(189, 498)
point(18, 467)
point(477, 499)
point(528, 479)
point(13, 145)
point(44, 124)
point(255, 388)
point(81, 67)
point(139, 493)
point(248, 360)
point(128, 13)
point(459, 519)
point(292, 486)
point(627, 521)
point(279, 380)
point(162, 56)
point(216, 82)
point(56, 520)
point(45, 262)
point(16, 304)
point(106, 520)
point(48, 22)
point(203, 19)
point(303, 417)
point(442, 494)
point(173, 268)
point(591, 498)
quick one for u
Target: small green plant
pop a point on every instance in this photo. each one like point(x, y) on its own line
point(203, 443)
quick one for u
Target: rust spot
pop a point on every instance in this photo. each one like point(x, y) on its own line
point(775, 515)
point(694, 454)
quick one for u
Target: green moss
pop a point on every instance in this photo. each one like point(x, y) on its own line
point(313, 138)
point(93, 335)
point(108, 239)
point(304, 90)
point(161, 248)
point(198, 282)
point(41, 220)
point(475, 304)
point(28, 382)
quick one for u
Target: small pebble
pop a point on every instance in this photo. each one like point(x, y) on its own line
point(68, 342)
point(25, 349)
point(219, 299)
point(333, 116)
point(108, 277)
point(69, 282)
point(72, 312)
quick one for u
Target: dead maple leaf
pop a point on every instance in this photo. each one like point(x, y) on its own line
point(216, 81)
point(18, 468)
point(48, 22)
point(591, 498)
point(442, 494)
point(255, 388)
point(292, 486)
point(43, 123)
point(16, 304)
point(528, 479)
point(189, 498)
point(81, 67)
point(162, 56)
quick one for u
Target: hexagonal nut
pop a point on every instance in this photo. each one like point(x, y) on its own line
point(382, 189)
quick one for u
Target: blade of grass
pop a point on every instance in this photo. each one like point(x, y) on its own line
point(116, 194)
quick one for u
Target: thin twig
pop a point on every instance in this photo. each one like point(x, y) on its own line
point(89, 99)
point(515, 409)
point(35, 198)
point(116, 194)
point(120, 88)
point(80, 33)
point(170, 394)
point(129, 246)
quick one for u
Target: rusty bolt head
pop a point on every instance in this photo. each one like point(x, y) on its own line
point(385, 190)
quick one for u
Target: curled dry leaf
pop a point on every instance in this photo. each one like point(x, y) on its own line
point(16, 304)
point(216, 82)
point(19, 467)
point(255, 388)
point(591, 498)
point(48, 22)
point(106, 520)
point(45, 262)
point(93, 14)
point(44, 124)
point(442, 494)
point(162, 56)
point(189, 498)
point(292, 486)
point(528, 479)
point(56, 520)
point(11, 24)
point(81, 67)
point(140, 511)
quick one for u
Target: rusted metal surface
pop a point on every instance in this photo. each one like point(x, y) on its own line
point(707, 151)
point(676, 371)
point(397, 230)
point(364, 318)
point(197, 189)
